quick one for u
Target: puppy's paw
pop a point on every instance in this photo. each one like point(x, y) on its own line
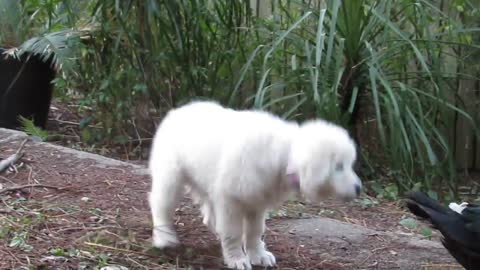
point(162, 243)
point(164, 237)
point(242, 263)
point(262, 258)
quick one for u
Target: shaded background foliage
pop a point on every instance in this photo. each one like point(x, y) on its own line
point(392, 72)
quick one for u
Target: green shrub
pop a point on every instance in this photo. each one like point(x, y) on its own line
point(393, 56)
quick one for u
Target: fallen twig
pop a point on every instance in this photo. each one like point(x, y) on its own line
point(8, 252)
point(85, 228)
point(28, 186)
point(6, 179)
point(117, 249)
point(9, 161)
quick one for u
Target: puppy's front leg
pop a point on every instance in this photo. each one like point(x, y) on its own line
point(256, 250)
point(229, 227)
point(208, 215)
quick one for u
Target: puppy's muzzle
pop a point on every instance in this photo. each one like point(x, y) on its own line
point(350, 197)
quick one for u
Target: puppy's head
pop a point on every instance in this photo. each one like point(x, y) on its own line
point(322, 156)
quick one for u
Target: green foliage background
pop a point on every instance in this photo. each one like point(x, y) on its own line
point(397, 64)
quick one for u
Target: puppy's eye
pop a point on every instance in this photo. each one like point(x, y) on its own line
point(339, 167)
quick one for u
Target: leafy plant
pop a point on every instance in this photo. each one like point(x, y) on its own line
point(427, 232)
point(14, 25)
point(409, 223)
point(413, 225)
point(59, 252)
point(30, 128)
point(25, 32)
point(19, 241)
point(102, 259)
point(5, 230)
point(381, 56)
point(368, 202)
point(152, 55)
point(389, 192)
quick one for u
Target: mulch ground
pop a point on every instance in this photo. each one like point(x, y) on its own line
point(85, 217)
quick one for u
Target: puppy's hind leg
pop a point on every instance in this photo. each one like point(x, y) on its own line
point(229, 218)
point(254, 229)
point(167, 187)
point(206, 207)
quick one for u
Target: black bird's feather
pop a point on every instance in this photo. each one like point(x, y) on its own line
point(461, 232)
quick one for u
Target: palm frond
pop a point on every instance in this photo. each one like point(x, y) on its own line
point(56, 48)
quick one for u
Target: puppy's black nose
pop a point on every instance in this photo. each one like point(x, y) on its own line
point(358, 189)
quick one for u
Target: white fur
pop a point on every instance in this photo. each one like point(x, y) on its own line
point(458, 207)
point(238, 164)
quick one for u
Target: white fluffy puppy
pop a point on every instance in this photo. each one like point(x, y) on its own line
point(238, 164)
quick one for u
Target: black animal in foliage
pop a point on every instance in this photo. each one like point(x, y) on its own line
point(460, 228)
point(25, 89)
